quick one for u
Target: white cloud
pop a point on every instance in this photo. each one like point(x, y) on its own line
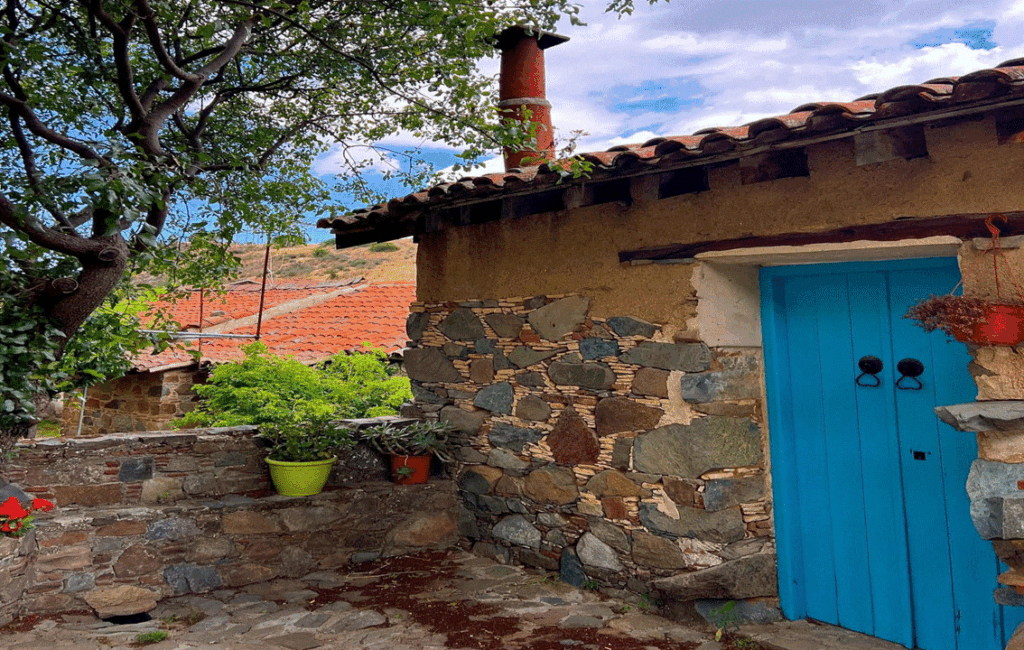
point(342, 157)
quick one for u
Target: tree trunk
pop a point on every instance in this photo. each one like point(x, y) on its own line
point(71, 306)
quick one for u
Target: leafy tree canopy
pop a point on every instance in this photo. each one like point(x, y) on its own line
point(141, 136)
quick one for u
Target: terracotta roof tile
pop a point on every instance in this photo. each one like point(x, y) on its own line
point(398, 218)
point(374, 314)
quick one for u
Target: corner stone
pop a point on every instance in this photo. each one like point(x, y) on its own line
point(415, 324)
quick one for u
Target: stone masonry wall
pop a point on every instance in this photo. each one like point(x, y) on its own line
point(139, 401)
point(144, 516)
point(600, 447)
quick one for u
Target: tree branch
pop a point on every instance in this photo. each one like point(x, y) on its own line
point(149, 128)
point(44, 236)
point(32, 173)
point(125, 75)
point(37, 128)
point(156, 42)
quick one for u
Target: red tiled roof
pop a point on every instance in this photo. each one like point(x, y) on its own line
point(241, 299)
point(937, 97)
point(310, 332)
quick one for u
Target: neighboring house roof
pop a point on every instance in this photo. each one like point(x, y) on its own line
point(812, 122)
point(309, 321)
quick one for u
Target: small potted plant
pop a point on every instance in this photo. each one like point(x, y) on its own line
point(411, 447)
point(302, 452)
point(972, 320)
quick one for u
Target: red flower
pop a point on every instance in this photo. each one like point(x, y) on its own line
point(12, 509)
point(6, 527)
point(42, 504)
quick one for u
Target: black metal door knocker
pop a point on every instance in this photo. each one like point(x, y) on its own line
point(909, 369)
point(871, 366)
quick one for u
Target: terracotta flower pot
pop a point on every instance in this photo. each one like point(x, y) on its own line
point(406, 470)
point(1002, 325)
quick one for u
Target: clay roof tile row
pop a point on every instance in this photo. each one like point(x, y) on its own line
point(814, 118)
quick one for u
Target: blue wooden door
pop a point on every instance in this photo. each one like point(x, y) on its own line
point(872, 518)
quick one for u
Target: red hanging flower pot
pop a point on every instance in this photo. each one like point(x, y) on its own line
point(1001, 325)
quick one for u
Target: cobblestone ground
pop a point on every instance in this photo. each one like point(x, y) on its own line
point(432, 601)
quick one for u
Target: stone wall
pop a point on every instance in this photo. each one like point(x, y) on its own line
point(143, 516)
point(996, 479)
point(139, 401)
point(601, 446)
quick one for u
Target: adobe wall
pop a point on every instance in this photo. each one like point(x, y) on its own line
point(576, 251)
point(601, 447)
point(139, 401)
point(147, 515)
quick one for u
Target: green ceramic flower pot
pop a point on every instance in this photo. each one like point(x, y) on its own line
point(299, 479)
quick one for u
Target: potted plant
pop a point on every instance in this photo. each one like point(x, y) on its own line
point(411, 447)
point(301, 452)
point(972, 320)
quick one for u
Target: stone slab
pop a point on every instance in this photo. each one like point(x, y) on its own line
point(707, 443)
point(748, 577)
point(688, 357)
point(559, 318)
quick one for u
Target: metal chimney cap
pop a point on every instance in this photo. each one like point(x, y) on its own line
point(509, 37)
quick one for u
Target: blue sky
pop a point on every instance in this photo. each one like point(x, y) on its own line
point(672, 69)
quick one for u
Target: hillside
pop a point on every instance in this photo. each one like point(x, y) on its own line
point(387, 262)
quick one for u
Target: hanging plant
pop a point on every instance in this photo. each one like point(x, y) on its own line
point(970, 319)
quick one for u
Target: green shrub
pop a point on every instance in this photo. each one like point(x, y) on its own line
point(383, 247)
point(270, 390)
point(319, 252)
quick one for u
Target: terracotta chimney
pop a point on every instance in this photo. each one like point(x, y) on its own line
point(522, 86)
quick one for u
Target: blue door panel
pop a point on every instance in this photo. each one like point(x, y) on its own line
point(879, 455)
point(872, 536)
point(812, 479)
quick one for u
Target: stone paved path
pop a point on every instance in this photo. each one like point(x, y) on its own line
point(435, 601)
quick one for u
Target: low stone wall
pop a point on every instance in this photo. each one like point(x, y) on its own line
point(143, 516)
point(612, 449)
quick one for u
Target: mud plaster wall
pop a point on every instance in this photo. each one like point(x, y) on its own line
point(575, 251)
point(601, 447)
